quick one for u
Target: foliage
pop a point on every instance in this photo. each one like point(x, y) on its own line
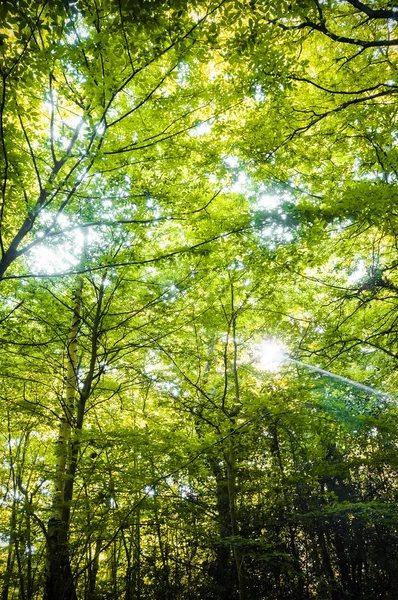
point(180, 181)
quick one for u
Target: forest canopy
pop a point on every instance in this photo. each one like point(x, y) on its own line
point(198, 296)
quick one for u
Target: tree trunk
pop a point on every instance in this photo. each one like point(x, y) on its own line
point(10, 555)
point(133, 577)
point(237, 552)
point(60, 584)
point(93, 570)
point(231, 463)
point(59, 578)
point(223, 575)
point(276, 450)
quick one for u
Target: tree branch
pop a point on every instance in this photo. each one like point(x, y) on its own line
point(375, 13)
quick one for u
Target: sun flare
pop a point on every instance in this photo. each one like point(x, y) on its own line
point(270, 354)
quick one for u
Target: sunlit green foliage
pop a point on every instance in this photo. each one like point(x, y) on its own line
point(179, 181)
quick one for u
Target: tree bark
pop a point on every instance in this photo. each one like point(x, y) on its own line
point(237, 552)
point(60, 583)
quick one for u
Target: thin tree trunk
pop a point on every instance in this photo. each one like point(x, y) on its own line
point(10, 555)
point(231, 463)
point(13, 548)
point(165, 592)
point(29, 583)
point(135, 569)
point(223, 576)
point(296, 557)
point(93, 570)
point(238, 556)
